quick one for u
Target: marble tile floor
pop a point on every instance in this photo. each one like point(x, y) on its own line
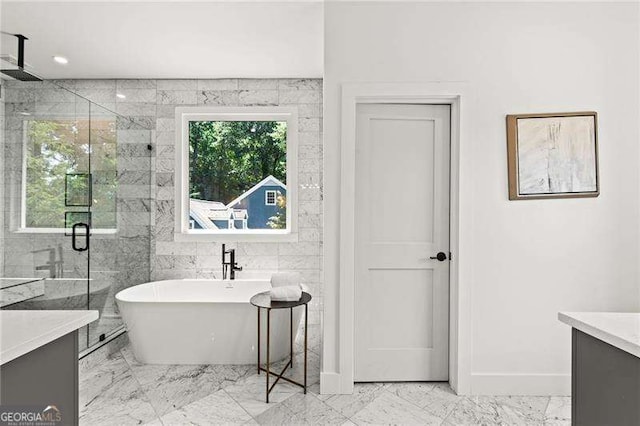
point(121, 391)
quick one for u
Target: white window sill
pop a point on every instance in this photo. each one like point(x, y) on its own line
point(231, 237)
point(61, 231)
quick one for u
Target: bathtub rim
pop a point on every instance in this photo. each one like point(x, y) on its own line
point(118, 295)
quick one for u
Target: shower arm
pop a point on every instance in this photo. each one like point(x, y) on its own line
point(21, 40)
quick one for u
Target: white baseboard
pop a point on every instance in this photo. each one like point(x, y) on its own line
point(521, 384)
point(329, 383)
point(488, 384)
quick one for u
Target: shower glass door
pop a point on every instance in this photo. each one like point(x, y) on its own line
point(120, 163)
point(103, 271)
point(77, 201)
point(120, 214)
point(48, 172)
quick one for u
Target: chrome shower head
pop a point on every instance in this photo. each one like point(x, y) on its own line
point(21, 74)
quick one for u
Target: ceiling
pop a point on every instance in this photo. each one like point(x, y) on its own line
point(167, 39)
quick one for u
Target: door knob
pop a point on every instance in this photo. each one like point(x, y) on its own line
point(440, 256)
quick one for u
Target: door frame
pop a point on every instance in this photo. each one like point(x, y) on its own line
point(456, 94)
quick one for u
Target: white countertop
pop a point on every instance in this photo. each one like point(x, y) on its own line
point(618, 329)
point(24, 331)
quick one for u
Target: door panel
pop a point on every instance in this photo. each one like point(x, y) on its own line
point(402, 219)
point(400, 195)
point(387, 289)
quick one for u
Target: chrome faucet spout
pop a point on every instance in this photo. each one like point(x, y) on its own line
point(52, 265)
point(231, 266)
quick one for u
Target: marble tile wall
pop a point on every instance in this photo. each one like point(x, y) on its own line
point(152, 104)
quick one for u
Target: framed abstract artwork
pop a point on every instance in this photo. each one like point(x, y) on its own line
point(553, 155)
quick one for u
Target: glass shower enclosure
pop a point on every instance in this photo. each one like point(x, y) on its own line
point(77, 204)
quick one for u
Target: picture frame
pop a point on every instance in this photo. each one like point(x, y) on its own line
point(553, 155)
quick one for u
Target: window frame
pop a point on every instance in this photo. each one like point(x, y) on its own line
point(22, 228)
point(266, 197)
point(184, 115)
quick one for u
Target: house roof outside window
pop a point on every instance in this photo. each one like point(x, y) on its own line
point(268, 181)
point(206, 212)
point(200, 211)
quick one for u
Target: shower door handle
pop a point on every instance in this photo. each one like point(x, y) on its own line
point(74, 237)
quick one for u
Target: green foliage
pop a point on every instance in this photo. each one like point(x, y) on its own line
point(279, 220)
point(226, 158)
point(58, 147)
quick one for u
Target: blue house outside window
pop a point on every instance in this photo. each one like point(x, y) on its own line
point(256, 208)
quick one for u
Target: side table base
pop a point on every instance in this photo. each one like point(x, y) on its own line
point(263, 301)
point(280, 376)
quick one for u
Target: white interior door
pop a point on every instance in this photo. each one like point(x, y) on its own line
point(402, 221)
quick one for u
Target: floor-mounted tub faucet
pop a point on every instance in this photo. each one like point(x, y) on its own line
point(55, 267)
point(231, 266)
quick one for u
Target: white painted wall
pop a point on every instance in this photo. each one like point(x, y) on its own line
point(526, 260)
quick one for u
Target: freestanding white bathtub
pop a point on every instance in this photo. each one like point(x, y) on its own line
point(201, 322)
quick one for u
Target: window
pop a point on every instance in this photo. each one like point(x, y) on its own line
point(236, 173)
point(64, 174)
point(270, 198)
